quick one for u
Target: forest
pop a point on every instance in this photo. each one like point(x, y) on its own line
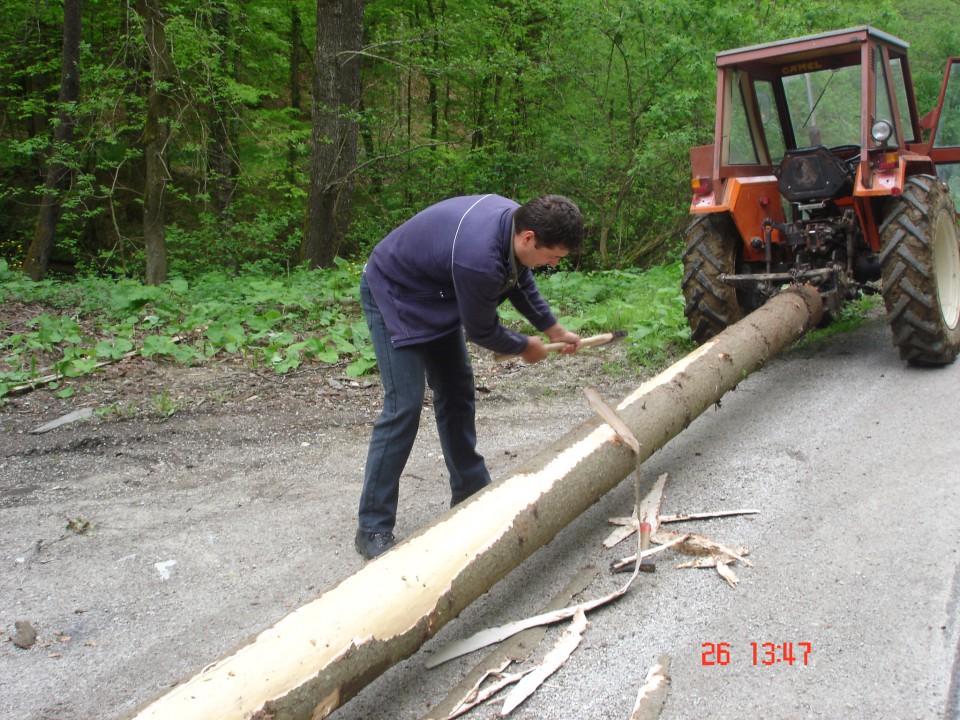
point(156, 139)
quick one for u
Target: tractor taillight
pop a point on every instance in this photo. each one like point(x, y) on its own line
point(888, 161)
point(701, 186)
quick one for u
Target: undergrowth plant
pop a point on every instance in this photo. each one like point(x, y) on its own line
point(279, 322)
point(274, 322)
point(647, 304)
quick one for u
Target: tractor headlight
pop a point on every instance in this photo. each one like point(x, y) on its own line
point(881, 131)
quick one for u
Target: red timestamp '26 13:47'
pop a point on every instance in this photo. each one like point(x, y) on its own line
point(766, 653)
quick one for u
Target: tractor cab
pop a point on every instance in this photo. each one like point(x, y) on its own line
point(816, 139)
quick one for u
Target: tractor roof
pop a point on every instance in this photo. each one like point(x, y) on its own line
point(822, 43)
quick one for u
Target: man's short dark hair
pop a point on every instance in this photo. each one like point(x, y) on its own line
point(554, 219)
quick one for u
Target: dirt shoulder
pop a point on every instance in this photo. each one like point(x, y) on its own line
point(197, 506)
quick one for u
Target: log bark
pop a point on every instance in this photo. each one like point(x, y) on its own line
point(324, 653)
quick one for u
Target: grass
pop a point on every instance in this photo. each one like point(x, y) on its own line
point(852, 315)
point(68, 328)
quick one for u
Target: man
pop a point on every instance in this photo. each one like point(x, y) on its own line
point(443, 272)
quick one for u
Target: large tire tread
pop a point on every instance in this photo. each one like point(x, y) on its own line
point(908, 274)
point(710, 305)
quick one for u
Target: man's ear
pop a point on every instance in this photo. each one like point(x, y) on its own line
point(528, 238)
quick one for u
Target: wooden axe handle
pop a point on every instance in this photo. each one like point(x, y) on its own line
point(593, 341)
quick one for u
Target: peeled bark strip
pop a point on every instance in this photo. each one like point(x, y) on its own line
point(702, 545)
point(727, 574)
point(515, 649)
point(568, 642)
point(648, 511)
point(653, 694)
point(324, 653)
point(480, 696)
point(490, 636)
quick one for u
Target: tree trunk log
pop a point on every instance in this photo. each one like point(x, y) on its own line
point(58, 173)
point(156, 136)
point(318, 657)
point(336, 100)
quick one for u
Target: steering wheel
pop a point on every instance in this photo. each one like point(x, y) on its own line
point(842, 150)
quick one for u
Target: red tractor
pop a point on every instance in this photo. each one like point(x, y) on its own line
point(820, 173)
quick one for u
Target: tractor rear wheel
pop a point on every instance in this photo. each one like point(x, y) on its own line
point(711, 306)
point(920, 272)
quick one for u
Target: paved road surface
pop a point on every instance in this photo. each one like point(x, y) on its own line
point(851, 457)
point(849, 454)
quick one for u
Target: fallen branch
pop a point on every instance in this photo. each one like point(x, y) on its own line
point(665, 519)
point(705, 516)
point(56, 377)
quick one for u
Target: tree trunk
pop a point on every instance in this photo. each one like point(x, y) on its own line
point(156, 136)
point(58, 174)
point(296, 61)
point(433, 102)
point(320, 656)
point(336, 98)
point(222, 165)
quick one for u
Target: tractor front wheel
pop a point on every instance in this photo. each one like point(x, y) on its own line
point(711, 306)
point(920, 272)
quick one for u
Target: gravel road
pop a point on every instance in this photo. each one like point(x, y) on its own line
point(213, 523)
point(850, 456)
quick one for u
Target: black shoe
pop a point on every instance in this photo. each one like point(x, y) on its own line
point(372, 545)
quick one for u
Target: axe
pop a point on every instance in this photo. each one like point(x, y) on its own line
point(603, 339)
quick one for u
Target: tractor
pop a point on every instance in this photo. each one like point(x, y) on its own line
point(823, 172)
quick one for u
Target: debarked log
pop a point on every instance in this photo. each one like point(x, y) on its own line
point(318, 657)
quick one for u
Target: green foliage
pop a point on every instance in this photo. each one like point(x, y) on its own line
point(79, 525)
point(649, 305)
point(278, 324)
point(599, 100)
point(852, 315)
point(275, 323)
point(164, 406)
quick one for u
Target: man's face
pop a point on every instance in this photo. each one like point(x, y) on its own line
point(530, 254)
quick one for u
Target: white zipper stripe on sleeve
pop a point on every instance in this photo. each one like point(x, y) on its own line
point(453, 248)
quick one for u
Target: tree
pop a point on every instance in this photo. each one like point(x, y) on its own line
point(156, 138)
point(58, 172)
point(222, 165)
point(336, 101)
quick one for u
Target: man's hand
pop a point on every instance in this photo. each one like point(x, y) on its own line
point(558, 333)
point(536, 350)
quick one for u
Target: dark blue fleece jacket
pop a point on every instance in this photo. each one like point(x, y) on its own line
point(451, 265)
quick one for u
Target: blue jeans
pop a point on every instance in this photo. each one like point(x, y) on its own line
point(445, 366)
